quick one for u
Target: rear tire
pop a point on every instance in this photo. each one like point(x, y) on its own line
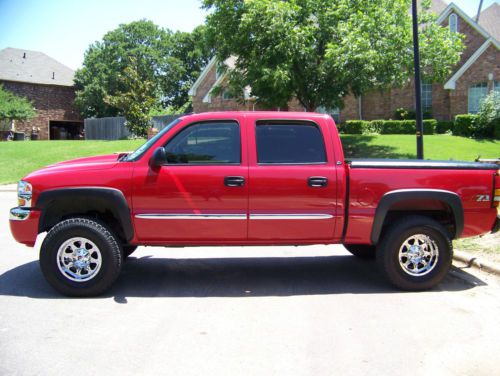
point(80, 257)
point(415, 254)
point(362, 251)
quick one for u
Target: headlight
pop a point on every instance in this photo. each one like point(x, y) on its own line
point(24, 194)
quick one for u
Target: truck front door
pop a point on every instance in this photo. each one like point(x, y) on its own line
point(201, 194)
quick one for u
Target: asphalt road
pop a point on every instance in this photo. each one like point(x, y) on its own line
point(244, 311)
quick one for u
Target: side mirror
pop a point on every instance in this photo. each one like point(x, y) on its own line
point(159, 158)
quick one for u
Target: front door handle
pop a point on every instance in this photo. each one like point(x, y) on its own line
point(234, 181)
point(317, 181)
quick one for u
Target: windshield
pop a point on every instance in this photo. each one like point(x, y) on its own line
point(144, 147)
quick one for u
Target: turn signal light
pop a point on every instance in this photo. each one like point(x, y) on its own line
point(21, 202)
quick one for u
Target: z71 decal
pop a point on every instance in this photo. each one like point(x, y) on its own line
point(482, 198)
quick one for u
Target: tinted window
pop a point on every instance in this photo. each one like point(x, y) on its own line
point(206, 143)
point(289, 143)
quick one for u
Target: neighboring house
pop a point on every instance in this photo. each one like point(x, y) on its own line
point(49, 85)
point(477, 73)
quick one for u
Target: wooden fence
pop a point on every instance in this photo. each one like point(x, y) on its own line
point(113, 128)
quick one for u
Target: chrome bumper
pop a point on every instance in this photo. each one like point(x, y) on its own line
point(19, 214)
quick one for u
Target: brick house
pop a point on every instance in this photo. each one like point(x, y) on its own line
point(477, 73)
point(49, 85)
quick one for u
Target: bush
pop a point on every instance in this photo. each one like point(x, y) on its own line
point(355, 126)
point(489, 112)
point(404, 114)
point(407, 126)
point(496, 128)
point(443, 126)
point(464, 125)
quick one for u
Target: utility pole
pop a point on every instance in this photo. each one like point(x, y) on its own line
point(479, 10)
point(418, 85)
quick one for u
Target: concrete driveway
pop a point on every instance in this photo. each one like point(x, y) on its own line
point(207, 311)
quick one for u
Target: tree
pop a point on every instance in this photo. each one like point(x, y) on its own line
point(160, 57)
point(136, 101)
point(318, 51)
point(13, 107)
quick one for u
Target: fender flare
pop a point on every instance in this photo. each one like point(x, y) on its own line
point(100, 198)
point(391, 198)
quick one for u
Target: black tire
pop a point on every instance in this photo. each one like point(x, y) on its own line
point(433, 236)
point(362, 251)
point(128, 250)
point(109, 256)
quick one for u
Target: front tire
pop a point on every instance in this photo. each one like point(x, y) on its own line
point(80, 257)
point(415, 254)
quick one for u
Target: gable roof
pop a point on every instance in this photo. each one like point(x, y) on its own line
point(451, 83)
point(489, 19)
point(453, 8)
point(33, 67)
point(437, 6)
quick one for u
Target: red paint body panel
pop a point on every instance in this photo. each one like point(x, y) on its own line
point(25, 232)
point(268, 189)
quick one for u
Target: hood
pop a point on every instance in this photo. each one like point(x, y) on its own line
point(101, 162)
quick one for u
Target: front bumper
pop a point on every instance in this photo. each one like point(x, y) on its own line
point(496, 227)
point(24, 225)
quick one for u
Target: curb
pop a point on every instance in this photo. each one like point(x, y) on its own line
point(473, 261)
point(8, 188)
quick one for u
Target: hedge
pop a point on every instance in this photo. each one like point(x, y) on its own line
point(464, 125)
point(444, 126)
point(386, 127)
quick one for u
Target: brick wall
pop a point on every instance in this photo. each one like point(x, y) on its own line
point(50, 102)
point(488, 62)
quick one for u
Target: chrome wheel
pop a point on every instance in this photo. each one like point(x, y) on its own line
point(418, 255)
point(79, 259)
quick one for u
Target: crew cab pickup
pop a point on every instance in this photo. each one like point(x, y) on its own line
point(251, 178)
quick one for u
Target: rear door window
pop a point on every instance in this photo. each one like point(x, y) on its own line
point(289, 143)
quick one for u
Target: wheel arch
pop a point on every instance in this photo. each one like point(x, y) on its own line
point(102, 202)
point(417, 201)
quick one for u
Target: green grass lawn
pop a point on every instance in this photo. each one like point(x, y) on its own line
point(19, 158)
point(437, 147)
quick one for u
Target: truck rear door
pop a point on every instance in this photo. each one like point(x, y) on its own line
point(292, 181)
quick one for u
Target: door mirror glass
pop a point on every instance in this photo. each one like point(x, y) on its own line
point(159, 158)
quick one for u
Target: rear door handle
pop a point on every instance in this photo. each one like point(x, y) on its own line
point(234, 181)
point(317, 181)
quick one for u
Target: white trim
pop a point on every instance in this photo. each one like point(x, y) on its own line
point(289, 216)
point(192, 216)
point(465, 17)
point(451, 83)
point(202, 76)
point(208, 97)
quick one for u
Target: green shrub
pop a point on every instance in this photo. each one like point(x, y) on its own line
point(444, 126)
point(355, 126)
point(489, 112)
point(496, 128)
point(404, 114)
point(464, 125)
point(407, 126)
point(376, 126)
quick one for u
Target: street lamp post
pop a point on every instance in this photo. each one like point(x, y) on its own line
point(418, 90)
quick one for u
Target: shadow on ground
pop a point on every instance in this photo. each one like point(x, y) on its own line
point(358, 146)
point(233, 277)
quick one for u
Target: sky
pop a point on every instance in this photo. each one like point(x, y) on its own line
point(63, 29)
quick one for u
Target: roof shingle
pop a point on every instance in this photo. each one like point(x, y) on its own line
point(33, 67)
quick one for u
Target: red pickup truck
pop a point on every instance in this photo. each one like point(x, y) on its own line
point(251, 178)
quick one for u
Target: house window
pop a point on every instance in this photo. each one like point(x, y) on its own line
point(476, 94)
point(426, 96)
point(333, 112)
point(496, 86)
point(453, 22)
